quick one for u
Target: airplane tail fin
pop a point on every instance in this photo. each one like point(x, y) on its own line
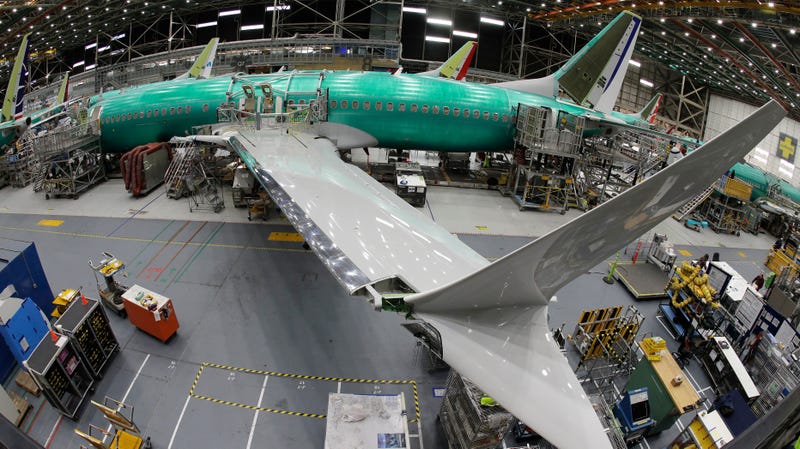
point(456, 65)
point(63, 91)
point(12, 103)
point(205, 61)
point(493, 323)
point(648, 113)
point(595, 73)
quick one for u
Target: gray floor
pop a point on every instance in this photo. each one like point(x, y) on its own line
point(267, 324)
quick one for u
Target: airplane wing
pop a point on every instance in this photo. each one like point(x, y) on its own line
point(492, 318)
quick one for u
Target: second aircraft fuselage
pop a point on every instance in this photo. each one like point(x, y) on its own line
point(365, 109)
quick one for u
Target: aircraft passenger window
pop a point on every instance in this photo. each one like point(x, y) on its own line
point(389, 106)
point(155, 112)
point(141, 114)
point(344, 104)
point(476, 114)
point(366, 106)
point(172, 110)
point(302, 102)
point(291, 102)
point(466, 113)
point(435, 110)
point(116, 118)
point(135, 115)
point(188, 109)
point(355, 104)
point(495, 116)
point(446, 110)
point(505, 118)
point(149, 113)
point(180, 110)
point(130, 116)
point(414, 107)
point(205, 107)
point(401, 107)
point(333, 104)
point(486, 115)
point(424, 108)
point(456, 112)
point(378, 106)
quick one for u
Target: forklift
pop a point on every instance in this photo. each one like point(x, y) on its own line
point(112, 293)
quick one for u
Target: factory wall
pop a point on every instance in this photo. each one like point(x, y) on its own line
point(725, 112)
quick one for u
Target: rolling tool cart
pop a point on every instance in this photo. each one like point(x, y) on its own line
point(151, 312)
point(86, 325)
point(57, 368)
point(112, 293)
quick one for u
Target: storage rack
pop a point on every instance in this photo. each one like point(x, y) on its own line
point(776, 374)
point(61, 374)
point(19, 167)
point(466, 423)
point(88, 328)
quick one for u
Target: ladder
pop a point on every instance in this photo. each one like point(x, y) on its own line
point(182, 160)
point(687, 208)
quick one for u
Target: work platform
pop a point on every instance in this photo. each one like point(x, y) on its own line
point(643, 280)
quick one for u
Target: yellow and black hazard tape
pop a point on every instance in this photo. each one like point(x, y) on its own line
point(260, 409)
point(412, 382)
point(307, 377)
point(196, 379)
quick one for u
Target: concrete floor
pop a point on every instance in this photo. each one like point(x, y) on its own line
point(264, 327)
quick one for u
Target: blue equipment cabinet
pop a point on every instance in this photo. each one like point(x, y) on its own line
point(20, 266)
point(22, 326)
point(633, 413)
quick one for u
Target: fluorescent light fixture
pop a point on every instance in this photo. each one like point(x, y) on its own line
point(465, 34)
point(116, 52)
point(646, 83)
point(253, 27)
point(763, 160)
point(92, 45)
point(90, 67)
point(491, 21)
point(103, 48)
point(207, 24)
point(444, 22)
point(786, 164)
point(78, 64)
point(118, 37)
point(634, 63)
point(762, 152)
point(279, 7)
point(416, 10)
point(437, 39)
point(232, 12)
point(789, 173)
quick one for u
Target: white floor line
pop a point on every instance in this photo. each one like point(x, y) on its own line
point(644, 440)
point(339, 388)
point(419, 432)
point(177, 424)
point(680, 425)
point(53, 431)
point(255, 415)
point(130, 387)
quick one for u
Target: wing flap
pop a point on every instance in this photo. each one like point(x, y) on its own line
point(361, 230)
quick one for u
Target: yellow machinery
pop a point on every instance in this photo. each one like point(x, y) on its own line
point(123, 431)
point(694, 285)
point(62, 301)
point(112, 293)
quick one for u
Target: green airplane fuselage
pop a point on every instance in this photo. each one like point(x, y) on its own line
point(364, 109)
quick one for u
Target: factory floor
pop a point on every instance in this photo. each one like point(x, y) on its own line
point(265, 328)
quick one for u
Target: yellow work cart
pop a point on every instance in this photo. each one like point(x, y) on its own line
point(124, 433)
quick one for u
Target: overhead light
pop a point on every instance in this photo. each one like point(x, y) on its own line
point(78, 64)
point(491, 21)
point(232, 12)
point(103, 48)
point(465, 34)
point(118, 37)
point(646, 83)
point(279, 7)
point(416, 10)
point(207, 24)
point(252, 27)
point(116, 52)
point(444, 22)
point(787, 172)
point(90, 67)
point(92, 45)
point(437, 39)
point(634, 63)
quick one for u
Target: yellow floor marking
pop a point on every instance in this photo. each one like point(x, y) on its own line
point(482, 228)
point(53, 223)
point(742, 255)
point(685, 253)
point(286, 237)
